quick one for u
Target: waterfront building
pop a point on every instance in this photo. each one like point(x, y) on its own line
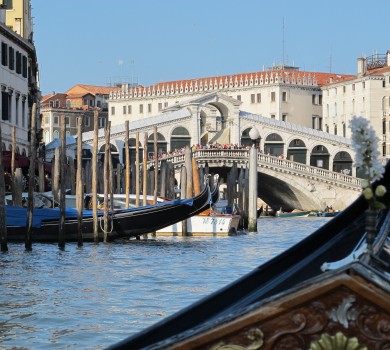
point(281, 93)
point(19, 85)
point(79, 101)
point(366, 94)
point(18, 17)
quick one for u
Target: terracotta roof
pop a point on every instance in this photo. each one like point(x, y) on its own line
point(93, 89)
point(46, 97)
point(320, 78)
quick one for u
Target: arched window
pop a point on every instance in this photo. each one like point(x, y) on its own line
point(180, 138)
point(56, 134)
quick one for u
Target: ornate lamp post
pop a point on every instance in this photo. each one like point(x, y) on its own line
point(252, 210)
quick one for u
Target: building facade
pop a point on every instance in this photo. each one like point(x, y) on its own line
point(367, 94)
point(19, 18)
point(283, 93)
point(79, 101)
point(19, 86)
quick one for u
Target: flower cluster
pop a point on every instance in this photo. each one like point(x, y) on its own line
point(365, 144)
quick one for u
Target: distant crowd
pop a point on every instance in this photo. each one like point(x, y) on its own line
point(180, 151)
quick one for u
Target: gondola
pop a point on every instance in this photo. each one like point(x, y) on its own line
point(126, 223)
point(327, 289)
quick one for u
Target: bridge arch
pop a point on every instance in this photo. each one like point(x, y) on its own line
point(274, 144)
point(180, 137)
point(319, 157)
point(342, 162)
point(114, 154)
point(161, 145)
point(297, 151)
point(245, 139)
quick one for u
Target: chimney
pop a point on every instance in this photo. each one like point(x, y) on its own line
point(361, 66)
point(388, 57)
point(3, 9)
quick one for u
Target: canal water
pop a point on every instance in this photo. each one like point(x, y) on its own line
point(94, 296)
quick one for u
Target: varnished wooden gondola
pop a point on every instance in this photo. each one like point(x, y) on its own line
point(324, 292)
point(125, 223)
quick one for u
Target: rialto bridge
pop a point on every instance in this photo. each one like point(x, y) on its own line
point(303, 156)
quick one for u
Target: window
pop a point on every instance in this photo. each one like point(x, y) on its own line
point(129, 109)
point(17, 109)
point(67, 121)
point(353, 87)
point(149, 108)
point(335, 129)
point(23, 112)
point(364, 84)
point(4, 105)
point(55, 120)
point(384, 83)
point(344, 88)
point(56, 134)
point(124, 109)
point(8, 4)
point(284, 96)
point(320, 100)
point(284, 117)
point(11, 58)
point(112, 110)
point(57, 104)
point(4, 54)
point(51, 103)
point(165, 104)
point(344, 130)
point(316, 122)
point(258, 98)
point(46, 120)
point(141, 108)
point(252, 98)
point(273, 96)
point(18, 62)
point(87, 121)
point(239, 97)
point(160, 106)
point(24, 67)
point(272, 116)
point(313, 99)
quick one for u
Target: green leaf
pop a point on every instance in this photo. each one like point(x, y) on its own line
point(378, 205)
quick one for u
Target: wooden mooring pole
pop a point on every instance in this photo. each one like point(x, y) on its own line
point(3, 223)
point(127, 154)
point(155, 164)
point(63, 167)
point(79, 182)
point(106, 177)
point(95, 176)
point(145, 169)
point(31, 179)
point(137, 190)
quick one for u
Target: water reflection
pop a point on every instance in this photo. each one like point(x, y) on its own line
point(94, 296)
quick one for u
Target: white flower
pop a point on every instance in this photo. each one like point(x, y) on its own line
point(365, 144)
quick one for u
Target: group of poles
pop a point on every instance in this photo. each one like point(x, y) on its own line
point(189, 180)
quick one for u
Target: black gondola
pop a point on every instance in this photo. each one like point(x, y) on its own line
point(125, 223)
point(292, 301)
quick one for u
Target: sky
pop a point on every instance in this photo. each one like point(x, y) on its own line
point(96, 42)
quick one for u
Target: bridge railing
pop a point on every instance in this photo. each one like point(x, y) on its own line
point(264, 160)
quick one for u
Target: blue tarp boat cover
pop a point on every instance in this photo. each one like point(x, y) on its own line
point(16, 216)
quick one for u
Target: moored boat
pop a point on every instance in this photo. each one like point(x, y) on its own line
point(207, 223)
point(294, 213)
point(125, 223)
